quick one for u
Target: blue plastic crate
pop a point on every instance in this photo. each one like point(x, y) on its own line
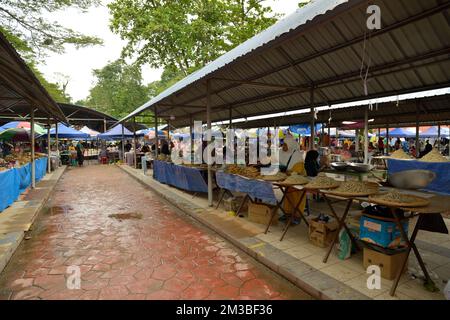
point(382, 232)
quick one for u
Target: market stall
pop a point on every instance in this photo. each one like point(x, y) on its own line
point(15, 178)
point(183, 177)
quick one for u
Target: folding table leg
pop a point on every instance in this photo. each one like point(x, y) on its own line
point(341, 224)
point(411, 245)
point(242, 204)
point(220, 198)
point(275, 210)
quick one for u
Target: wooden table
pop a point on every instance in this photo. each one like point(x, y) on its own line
point(438, 204)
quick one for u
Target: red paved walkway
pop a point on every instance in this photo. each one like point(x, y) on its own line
point(150, 252)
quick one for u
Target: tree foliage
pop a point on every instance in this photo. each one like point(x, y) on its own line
point(118, 89)
point(184, 35)
point(27, 21)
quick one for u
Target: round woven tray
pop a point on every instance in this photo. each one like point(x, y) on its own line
point(372, 188)
point(321, 187)
point(415, 201)
point(354, 194)
point(272, 178)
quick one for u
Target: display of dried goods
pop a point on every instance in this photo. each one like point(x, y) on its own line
point(249, 172)
point(356, 188)
point(322, 182)
point(400, 154)
point(395, 198)
point(274, 177)
point(434, 156)
point(296, 179)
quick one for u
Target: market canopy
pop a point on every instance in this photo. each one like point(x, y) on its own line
point(401, 133)
point(90, 132)
point(23, 125)
point(313, 58)
point(433, 132)
point(65, 132)
point(20, 90)
point(115, 133)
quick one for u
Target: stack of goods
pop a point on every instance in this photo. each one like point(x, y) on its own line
point(322, 182)
point(356, 188)
point(434, 156)
point(296, 179)
point(400, 154)
point(248, 172)
point(3, 165)
point(395, 198)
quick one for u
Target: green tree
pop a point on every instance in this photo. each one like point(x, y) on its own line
point(27, 21)
point(184, 35)
point(118, 90)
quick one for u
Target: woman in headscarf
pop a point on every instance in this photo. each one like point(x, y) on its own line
point(291, 159)
point(80, 153)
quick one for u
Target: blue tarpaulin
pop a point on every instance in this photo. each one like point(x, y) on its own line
point(14, 181)
point(256, 189)
point(190, 179)
point(9, 186)
point(440, 184)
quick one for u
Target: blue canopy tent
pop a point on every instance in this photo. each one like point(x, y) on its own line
point(115, 133)
point(432, 132)
point(304, 129)
point(401, 133)
point(65, 132)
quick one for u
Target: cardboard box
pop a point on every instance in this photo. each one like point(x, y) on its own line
point(322, 234)
point(382, 232)
point(261, 213)
point(389, 264)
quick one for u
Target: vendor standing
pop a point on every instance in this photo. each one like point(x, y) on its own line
point(291, 159)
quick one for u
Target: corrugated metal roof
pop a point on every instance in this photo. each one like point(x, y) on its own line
point(320, 46)
point(433, 110)
point(19, 87)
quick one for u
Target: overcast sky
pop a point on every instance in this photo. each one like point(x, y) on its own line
point(77, 65)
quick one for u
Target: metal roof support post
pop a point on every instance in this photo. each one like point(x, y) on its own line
point(104, 125)
point(313, 129)
point(417, 131)
point(57, 141)
point(48, 147)
point(208, 125)
point(322, 144)
point(387, 139)
point(33, 165)
point(123, 144)
point(329, 135)
point(356, 140)
point(366, 135)
point(156, 133)
point(439, 137)
point(134, 143)
point(191, 131)
point(230, 116)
